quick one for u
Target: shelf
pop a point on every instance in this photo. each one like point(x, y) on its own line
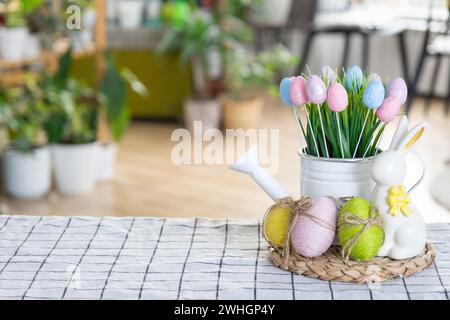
point(136, 39)
point(6, 64)
point(18, 78)
point(14, 73)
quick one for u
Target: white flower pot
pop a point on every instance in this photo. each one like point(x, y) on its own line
point(75, 167)
point(130, 13)
point(26, 175)
point(207, 111)
point(13, 43)
point(107, 154)
point(322, 177)
point(272, 12)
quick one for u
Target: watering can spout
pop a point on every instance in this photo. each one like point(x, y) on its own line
point(249, 164)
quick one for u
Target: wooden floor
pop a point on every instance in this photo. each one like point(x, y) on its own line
point(147, 183)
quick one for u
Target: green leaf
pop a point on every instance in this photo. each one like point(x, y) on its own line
point(113, 87)
point(64, 65)
point(120, 124)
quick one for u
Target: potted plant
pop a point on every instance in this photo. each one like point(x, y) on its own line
point(344, 121)
point(246, 76)
point(26, 165)
point(71, 128)
point(13, 37)
point(113, 88)
point(201, 37)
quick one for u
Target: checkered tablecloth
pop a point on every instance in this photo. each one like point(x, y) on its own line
point(154, 258)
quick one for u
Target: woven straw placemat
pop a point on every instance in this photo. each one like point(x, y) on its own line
point(331, 266)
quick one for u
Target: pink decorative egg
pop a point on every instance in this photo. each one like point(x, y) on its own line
point(389, 109)
point(337, 97)
point(398, 88)
point(316, 90)
point(298, 91)
point(311, 238)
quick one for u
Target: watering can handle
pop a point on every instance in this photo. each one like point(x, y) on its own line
point(418, 157)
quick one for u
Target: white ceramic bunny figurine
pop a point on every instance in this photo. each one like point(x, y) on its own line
point(404, 227)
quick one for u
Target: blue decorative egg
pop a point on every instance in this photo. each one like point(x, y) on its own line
point(285, 88)
point(374, 94)
point(354, 78)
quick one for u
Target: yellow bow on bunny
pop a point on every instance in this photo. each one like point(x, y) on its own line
point(399, 200)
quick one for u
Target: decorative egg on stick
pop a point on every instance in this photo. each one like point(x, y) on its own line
point(337, 102)
point(317, 94)
point(299, 97)
point(373, 98)
point(285, 87)
point(389, 109)
point(354, 78)
point(397, 94)
point(328, 75)
point(285, 94)
point(297, 91)
point(398, 88)
point(386, 113)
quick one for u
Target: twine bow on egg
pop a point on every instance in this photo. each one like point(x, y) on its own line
point(353, 219)
point(399, 200)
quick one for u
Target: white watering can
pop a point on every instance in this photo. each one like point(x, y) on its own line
point(320, 177)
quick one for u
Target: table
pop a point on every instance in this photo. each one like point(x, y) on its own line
point(156, 258)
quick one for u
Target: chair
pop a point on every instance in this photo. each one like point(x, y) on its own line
point(436, 44)
point(341, 18)
point(333, 16)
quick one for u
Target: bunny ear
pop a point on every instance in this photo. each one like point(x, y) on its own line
point(400, 132)
point(408, 142)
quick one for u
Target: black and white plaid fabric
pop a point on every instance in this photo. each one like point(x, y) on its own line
point(154, 258)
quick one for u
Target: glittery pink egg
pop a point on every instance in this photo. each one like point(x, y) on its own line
point(337, 97)
point(398, 88)
point(312, 236)
point(316, 90)
point(389, 109)
point(298, 91)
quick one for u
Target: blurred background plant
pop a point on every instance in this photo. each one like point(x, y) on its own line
point(25, 115)
point(16, 12)
point(202, 38)
point(73, 106)
point(247, 74)
point(247, 77)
